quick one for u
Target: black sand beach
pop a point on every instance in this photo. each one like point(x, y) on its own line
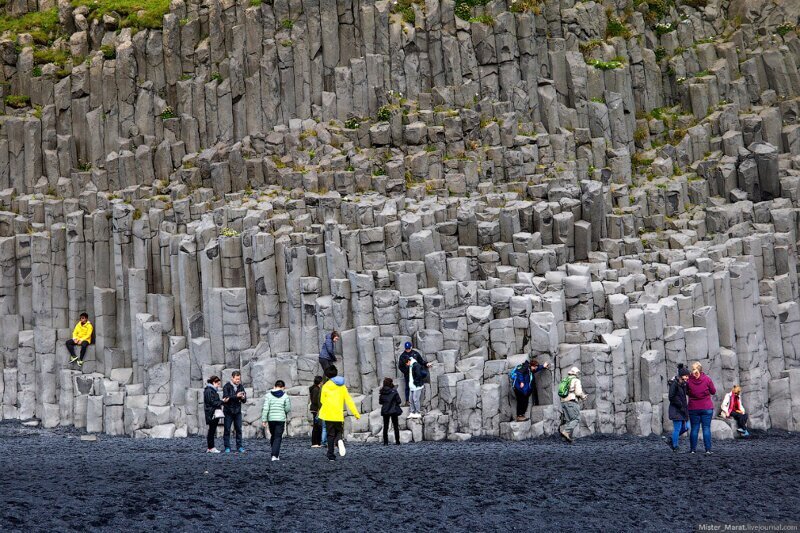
point(52, 481)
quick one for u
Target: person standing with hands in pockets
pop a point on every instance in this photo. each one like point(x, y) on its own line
point(276, 406)
point(233, 396)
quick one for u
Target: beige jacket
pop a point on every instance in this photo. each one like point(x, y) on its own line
point(575, 391)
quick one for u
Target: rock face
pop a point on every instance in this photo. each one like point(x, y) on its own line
point(221, 193)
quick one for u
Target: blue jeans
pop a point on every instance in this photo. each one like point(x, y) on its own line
point(679, 427)
point(236, 422)
point(324, 429)
point(699, 417)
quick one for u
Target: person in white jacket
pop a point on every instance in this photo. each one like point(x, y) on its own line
point(732, 407)
point(416, 384)
point(569, 404)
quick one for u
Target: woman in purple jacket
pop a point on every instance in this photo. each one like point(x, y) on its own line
point(700, 388)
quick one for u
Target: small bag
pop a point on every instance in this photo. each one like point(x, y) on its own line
point(219, 414)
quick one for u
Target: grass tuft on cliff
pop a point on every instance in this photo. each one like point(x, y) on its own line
point(42, 25)
point(45, 28)
point(137, 14)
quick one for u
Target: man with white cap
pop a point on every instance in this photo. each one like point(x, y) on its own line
point(570, 391)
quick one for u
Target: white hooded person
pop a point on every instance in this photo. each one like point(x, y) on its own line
point(571, 392)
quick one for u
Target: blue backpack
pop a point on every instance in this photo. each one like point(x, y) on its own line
point(518, 380)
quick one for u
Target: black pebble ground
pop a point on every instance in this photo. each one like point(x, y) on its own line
point(52, 481)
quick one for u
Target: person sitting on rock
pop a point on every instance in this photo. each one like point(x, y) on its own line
point(732, 407)
point(523, 382)
point(327, 353)
point(678, 406)
point(81, 336)
point(570, 391)
point(334, 397)
point(402, 365)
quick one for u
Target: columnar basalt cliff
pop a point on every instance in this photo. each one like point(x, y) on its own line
point(610, 185)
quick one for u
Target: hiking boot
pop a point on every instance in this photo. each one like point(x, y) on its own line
point(565, 435)
point(342, 449)
point(212, 450)
point(405, 404)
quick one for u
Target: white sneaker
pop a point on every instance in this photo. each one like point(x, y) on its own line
point(275, 458)
point(213, 450)
point(342, 450)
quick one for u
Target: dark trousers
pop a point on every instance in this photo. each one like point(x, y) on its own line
point(325, 363)
point(386, 419)
point(405, 387)
point(522, 402)
point(71, 347)
point(276, 436)
point(316, 431)
point(335, 432)
point(741, 420)
point(212, 432)
point(236, 421)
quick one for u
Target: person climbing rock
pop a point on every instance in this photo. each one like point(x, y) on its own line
point(327, 353)
point(82, 336)
point(402, 365)
point(233, 396)
point(523, 383)
point(277, 405)
point(417, 374)
point(334, 397)
point(732, 407)
point(389, 400)
point(570, 391)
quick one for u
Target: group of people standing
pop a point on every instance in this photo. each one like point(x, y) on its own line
point(692, 409)
point(690, 404)
point(328, 400)
point(227, 408)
